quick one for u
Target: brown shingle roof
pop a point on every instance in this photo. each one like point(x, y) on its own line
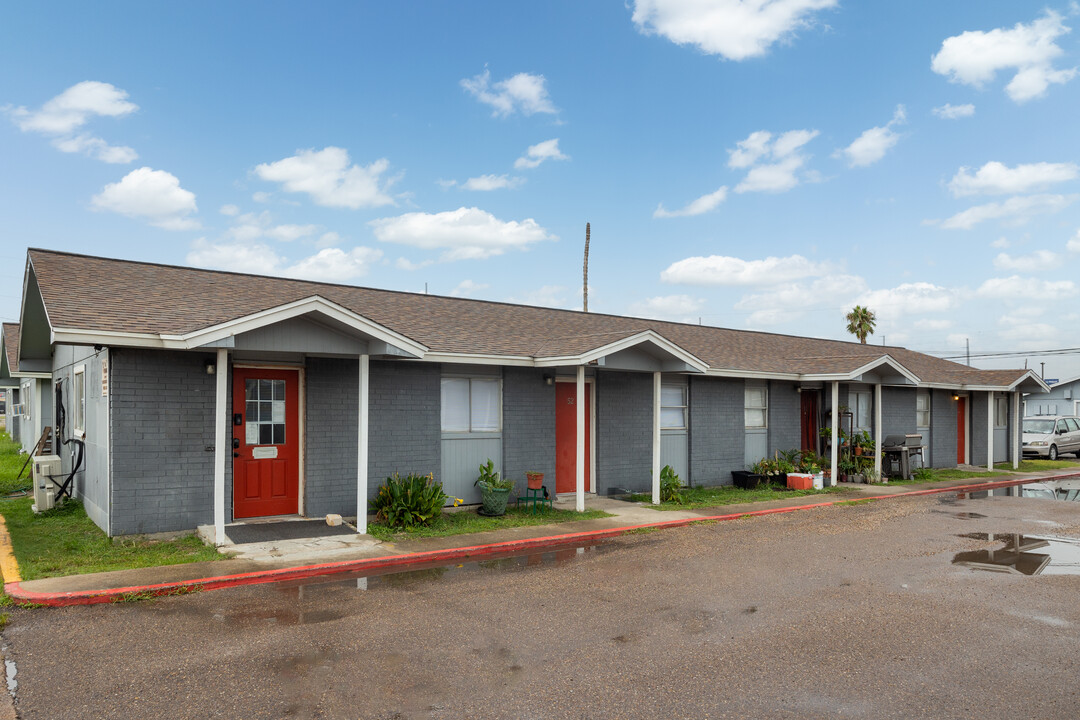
point(106, 295)
point(11, 346)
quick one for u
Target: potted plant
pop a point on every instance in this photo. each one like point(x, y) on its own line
point(748, 479)
point(535, 480)
point(494, 491)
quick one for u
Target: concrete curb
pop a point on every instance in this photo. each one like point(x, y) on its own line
point(404, 561)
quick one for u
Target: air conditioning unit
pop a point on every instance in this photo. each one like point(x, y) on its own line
point(46, 467)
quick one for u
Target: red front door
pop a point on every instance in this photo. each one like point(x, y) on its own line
point(961, 435)
point(566, 438)
point(266, 470)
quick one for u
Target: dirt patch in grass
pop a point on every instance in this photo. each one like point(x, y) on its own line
point(703, 497)
point(64, 541)
point(464, 522)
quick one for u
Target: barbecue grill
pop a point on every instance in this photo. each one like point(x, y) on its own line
point(898, 451)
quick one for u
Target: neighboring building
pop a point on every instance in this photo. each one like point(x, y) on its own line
point(1063, 399)
point(206, 397)
point(29, 400)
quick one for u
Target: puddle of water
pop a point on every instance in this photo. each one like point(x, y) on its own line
point(1023, 555)
point(962, 515)
point(1067, 490)
point(12, 683)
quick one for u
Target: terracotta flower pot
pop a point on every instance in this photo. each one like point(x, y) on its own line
point(535, 480)
point(858, 451)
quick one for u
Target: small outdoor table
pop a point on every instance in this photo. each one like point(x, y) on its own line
point(536, 497)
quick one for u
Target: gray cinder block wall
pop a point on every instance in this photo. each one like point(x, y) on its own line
point(528, 435)
point(332, 395)
point(405, 401)
point(785, 417)
point(162, 407)
point(624, 411)
point(717, 429)
point(897, 411)
point(977, 415)
point(943, 451)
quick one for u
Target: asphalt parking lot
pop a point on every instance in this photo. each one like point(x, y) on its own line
point(848, 611)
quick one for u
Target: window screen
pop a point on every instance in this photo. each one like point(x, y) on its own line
point(673, 407)
point(78, 400)
point(756, 407)
point(860, 407)
point(471, 405)
point(922, 410)
point(1001, 412)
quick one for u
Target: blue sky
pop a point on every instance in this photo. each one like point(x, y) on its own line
point(756, 164)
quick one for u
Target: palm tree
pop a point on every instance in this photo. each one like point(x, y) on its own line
point(860, 322)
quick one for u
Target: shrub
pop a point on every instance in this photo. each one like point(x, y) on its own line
point(405, 502)
point(670, 486)
point(490, 476)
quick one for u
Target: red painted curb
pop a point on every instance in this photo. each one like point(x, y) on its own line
point(92, 597)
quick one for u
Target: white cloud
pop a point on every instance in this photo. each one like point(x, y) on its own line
point(328, 239)
point(1073, 245)
point(261, 197)
point(995, 178)
point(230, 210)
point(538, 153)
point(524, 93)
point(66, 113)
point(328, 265)
point(678, 308)
point(330, 179)
point(492, 182)
point(872, 144)
point(465, 233)
point(1016, 287)
point(733, 29)
point(467, 288)
point(933, 324)
point(251, 226)
point(789, 301)
point(1001, 242)
point(907, 299)
point(953, 112)
point(409, 266)
point(777, 176)
point(1038, 261)
point(1016, 210)
point(956, 339)
point(731, 271)
point(151, 195)
point(975, 57)
point(703, 204)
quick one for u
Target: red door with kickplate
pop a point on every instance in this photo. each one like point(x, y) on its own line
point(961, 436)
point(266, 442)
point(566, 438)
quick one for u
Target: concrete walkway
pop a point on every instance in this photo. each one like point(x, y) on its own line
point(293, 559)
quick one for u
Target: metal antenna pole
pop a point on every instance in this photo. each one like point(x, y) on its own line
point(585, 274)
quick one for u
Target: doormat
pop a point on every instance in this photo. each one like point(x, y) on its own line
point(288, 530)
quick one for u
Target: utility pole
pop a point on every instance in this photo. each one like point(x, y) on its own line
point(1042, 370)
point(585, 274)
point(967, 341)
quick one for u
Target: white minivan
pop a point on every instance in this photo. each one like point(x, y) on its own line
point(1051, 436)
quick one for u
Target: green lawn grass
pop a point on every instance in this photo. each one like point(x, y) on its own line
point(702, 497)
point(1037, 465)
point(11, 461)
point(463, 522)
point(64, 541)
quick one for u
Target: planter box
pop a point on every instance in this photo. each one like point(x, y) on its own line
point(800, 481)
point(745, 479)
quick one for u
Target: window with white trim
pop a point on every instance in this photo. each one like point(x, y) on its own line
point(28, 400)
point(673, 407)
point(78, 400)
point(471, 405)
point(860, 408)
point(756, 408)
point(1001, 412)
point(922, 410)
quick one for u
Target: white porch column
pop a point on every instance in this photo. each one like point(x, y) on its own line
point(989, 430)
point(656, 438)
point(877, 431)
point(835, 430)
point(1018, 424)
point(362, 450)
point(222, 446)
point(579, 503)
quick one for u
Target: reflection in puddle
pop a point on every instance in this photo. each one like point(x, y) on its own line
point(1068, 490)
point(962, 515)
point(1024, 555)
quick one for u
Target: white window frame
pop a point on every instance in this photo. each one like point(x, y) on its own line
point(856, 398)
point(683, 407)
point(470, 430)
point(918, 398)
point(764, 408)
point(1001, 404)
point(28, 400)
point(78, 401)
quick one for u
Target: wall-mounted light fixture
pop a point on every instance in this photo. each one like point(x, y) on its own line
point(209, 365)
point(549, 379)
point(956, 395)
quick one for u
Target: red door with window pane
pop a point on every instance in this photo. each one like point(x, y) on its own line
point(566, 438)
point(266, 452)
point(961, 434)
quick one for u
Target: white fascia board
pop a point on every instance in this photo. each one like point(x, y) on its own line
point(753, 374)
point(315, 303)
point(872, 365)
point(479, 359)
point(73, 336)
point(647, 336)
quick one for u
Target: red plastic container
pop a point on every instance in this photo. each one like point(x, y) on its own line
point(798, 481)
